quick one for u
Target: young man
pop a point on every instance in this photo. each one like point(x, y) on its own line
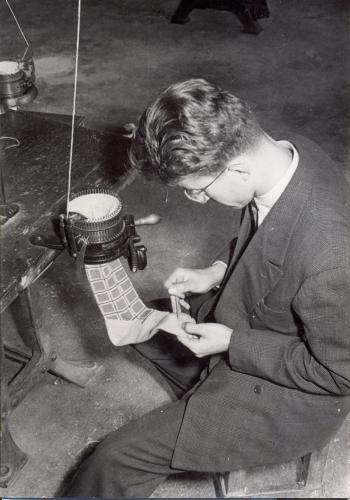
point(263, 376)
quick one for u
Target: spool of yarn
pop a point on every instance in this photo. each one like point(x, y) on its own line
point(9, 67)
point(96, 206)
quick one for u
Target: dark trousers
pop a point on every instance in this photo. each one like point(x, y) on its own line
point(135, 459)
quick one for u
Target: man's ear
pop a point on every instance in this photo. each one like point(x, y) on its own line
point(244, 175)
point(240, 169)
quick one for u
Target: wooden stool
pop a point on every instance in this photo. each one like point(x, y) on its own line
point(302, 475)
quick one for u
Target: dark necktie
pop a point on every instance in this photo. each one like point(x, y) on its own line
point(253, 216)
point(254, 213)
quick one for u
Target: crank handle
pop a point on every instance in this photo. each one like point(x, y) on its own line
point(41, 241)
point(148, 220)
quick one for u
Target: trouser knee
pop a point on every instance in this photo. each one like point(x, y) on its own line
point(110, 449)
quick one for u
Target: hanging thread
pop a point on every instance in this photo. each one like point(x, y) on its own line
point(19, 27)
point(74, 106)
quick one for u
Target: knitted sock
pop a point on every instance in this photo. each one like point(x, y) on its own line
point(127, 319)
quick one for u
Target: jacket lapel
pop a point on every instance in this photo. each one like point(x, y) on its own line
point(253, 273)
point(243, 234)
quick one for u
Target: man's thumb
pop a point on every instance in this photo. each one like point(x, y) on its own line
point(192, 328)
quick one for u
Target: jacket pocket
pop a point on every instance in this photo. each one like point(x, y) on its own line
point(279, 320)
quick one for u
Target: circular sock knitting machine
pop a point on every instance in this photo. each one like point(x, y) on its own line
point(96, 231)
point(97, 221)
point(16, 83)
point(17, 76)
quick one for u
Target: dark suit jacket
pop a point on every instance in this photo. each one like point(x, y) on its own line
point(283, 389)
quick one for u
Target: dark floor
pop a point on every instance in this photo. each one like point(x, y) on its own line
point(296, 76)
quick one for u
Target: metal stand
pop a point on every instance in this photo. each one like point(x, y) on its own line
point(7, 103)
point(248, 12)
point(38, 358)
point(12, 458)
point(7, 211)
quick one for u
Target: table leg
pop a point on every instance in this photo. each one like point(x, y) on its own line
point(43, 358)
point(12, 457)
point(38, 358)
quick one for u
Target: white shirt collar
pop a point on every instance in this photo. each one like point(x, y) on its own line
point(267, 200)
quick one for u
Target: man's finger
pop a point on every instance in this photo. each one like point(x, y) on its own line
point(185, 304)
point(176, 276)
point(193, 328)
point(193, 337)
point(191, 343)
point(179, 289)
point(173, 303)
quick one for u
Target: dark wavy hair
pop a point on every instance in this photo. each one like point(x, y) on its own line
point(193, 127)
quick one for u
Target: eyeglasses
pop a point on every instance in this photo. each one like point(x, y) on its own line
point(195, 194)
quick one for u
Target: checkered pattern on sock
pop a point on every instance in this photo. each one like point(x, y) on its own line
point(114, 293)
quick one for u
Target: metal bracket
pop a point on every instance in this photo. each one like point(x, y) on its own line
point(7, 211)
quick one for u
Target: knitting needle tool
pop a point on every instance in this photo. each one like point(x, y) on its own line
point(176, 307)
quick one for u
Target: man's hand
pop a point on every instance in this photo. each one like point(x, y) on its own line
point(170, 323)
point(204, 339)
point(184, 280)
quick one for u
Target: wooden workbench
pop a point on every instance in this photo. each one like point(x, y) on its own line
point(35, 175)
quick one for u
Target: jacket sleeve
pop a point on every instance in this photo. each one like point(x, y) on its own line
point(226, 253)
point(319, 360)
